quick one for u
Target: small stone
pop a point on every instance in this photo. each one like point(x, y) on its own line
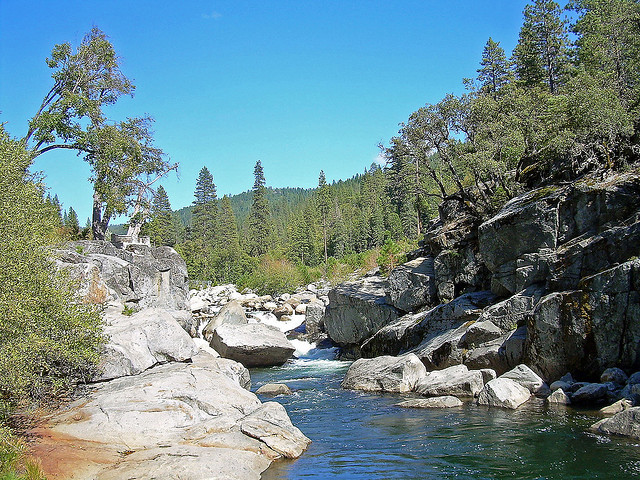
point(558, 397)
point(273, 389)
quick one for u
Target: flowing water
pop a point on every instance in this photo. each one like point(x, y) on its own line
point(366, 436)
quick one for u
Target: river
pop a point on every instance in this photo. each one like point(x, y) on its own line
point(360, 435)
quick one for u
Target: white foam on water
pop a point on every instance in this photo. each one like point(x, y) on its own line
point(269, 318)
point(302, 347)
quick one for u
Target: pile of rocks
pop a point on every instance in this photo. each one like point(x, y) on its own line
point(407, 374)
point(302, 311)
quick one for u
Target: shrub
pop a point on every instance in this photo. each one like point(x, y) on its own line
point(15, 463)
point(48, 337)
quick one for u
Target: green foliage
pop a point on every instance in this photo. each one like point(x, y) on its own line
point(48, 337)
point(275, 275)
point(392, 254)
point(258, 239)
point(124, 162)
point(15, 462)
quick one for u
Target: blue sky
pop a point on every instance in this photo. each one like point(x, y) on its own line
point(300, 85)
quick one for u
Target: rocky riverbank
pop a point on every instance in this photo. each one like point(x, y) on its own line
point(549, 284)
point(162, 406)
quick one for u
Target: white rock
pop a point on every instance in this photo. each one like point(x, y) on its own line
point(503, 392)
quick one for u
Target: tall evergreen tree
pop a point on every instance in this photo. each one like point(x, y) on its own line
point(161, 228)
point(205, 211)
point(259, 220)
point(227, 227)
point(72, 224)
point(494, 73)
point(541, 55)
point(324, 206)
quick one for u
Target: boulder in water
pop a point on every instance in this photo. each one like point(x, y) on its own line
point(253, 345)
point(446, 401)
point(457, 380)
point(503, 392)
point(385, 374)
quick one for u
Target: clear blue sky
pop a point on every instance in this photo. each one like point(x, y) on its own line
point(300, 85)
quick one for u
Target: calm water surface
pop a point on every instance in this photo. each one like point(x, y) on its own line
point(365, 436)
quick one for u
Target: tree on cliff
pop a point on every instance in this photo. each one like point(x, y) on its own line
point(541, 55)
point(259, 221)
point(494, 73)
point(124, 162)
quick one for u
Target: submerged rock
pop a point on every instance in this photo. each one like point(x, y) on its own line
point(625, 423)
point(273, 389)
point(385, 374)
point(446, 401)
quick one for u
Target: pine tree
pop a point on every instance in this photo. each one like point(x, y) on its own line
point(259, 220)
point(324, 206)
point(495, 72)
point(72, 224)
point(160, 227)
point(541, 55)
point(205, 209)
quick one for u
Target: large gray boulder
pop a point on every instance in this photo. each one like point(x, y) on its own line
point(140, 276)
point(412, 285)
point(174, 421)
point(587, 330)
point(625, 423)
point(253, 345)
point(385, 374)
point(357, 310)
point(526, 377)
point(457, 381)
point(141, 341)
point(314, 319)
point(231, 314)
point(504, 393)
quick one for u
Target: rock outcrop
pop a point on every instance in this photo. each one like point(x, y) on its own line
point(357, 310)
point(139, 277)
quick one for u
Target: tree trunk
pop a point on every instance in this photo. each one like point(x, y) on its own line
point(99, 224)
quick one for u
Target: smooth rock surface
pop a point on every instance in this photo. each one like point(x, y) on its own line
point(231, 314)
point(385, 374)
point(528, 379)
point(457, 381)
point(503, 392)
point(625, 423)
point(253, 345)
point(140, 341)
point(558, 397)
point(273, 389)
point(271, 425)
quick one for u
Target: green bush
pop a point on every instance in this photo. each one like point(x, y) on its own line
point(49, 339)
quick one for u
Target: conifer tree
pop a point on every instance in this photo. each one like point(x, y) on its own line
point(228, 230)
point(494, 73)
point(72, 224)
point(324, 206)
point(541, 55)
point(160, 228)
point(259, 221)
point(205, 209)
